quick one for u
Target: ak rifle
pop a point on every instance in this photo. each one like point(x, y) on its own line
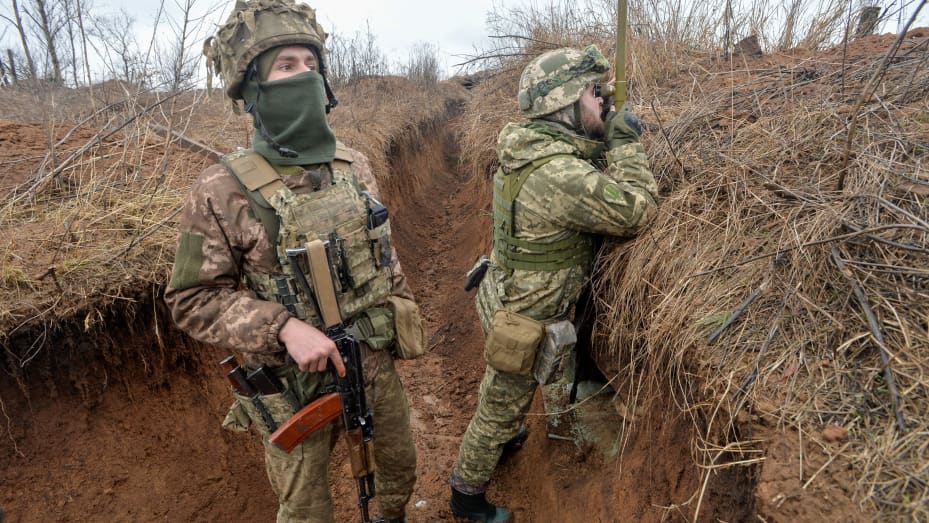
point(348, 396)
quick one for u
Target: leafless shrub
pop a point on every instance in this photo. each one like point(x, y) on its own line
point(355, 57)
point(114, 42)
point(423, 65)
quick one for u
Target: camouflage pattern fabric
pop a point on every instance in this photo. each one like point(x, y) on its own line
point(221, 245)
point(336, 207)
point(564, 195)
point(501, 409)
point(300, 478)
point(557, 78)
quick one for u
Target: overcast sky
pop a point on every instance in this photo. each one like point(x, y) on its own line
point(455, 27)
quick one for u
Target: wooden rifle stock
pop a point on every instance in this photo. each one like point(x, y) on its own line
point(310, 419)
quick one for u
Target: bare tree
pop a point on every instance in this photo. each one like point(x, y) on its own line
point(17, 22)
point(5, 77)
point(69, 22)
point(118, 49)
point(355, 57)
point(42, 16)
point(79, 11)
point(177, 64)
point(11, 65)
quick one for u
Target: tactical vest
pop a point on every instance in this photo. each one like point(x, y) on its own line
point(337, 213)
point(511, 252)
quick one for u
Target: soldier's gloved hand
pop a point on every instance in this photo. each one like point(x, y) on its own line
point(622, 127)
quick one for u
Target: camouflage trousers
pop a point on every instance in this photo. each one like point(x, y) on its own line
point(300, 478)
point(503, 401)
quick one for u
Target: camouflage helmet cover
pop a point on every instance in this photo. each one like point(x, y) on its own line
point(254, 27)
point(557, 78)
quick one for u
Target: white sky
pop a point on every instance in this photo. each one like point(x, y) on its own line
point(455, 27)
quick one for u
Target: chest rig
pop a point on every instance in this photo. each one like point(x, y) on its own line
point(517, 253)
point(353, 225)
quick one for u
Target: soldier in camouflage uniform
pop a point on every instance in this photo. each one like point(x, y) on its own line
point(565, 177)
point(231, 286)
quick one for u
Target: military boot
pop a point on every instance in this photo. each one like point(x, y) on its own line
point(477, 508)
point(401, 519)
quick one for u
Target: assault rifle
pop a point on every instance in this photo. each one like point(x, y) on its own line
point(349, 390)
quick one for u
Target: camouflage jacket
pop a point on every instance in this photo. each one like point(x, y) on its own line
point(220, 241)
point(565, 196)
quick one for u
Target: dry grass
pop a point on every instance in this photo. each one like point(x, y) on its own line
point(92, 227)
point(756, 207)
point(751, 232)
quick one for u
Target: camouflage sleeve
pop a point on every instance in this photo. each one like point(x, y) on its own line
point(361, 168)
point(575, 195)
point(205, 294)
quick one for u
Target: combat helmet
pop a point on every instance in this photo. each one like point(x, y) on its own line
point(557, 78)
point(254, 27)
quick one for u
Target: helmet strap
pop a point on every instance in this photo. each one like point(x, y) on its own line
point(577, 117)
point(329, 95)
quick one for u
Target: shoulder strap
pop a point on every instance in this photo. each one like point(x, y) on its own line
point(343, 157)
point(259, 181)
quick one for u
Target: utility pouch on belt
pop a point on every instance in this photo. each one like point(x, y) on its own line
point(375, 327)
point(236, 419)
point(512, 342)
point(411, 331)
point(559, 341)
point(276, 404)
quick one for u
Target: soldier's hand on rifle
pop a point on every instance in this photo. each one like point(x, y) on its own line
point(310, 348)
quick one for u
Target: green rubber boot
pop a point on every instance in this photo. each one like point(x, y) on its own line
point(477, 508)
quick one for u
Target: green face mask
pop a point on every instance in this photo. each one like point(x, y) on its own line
point(293, 112)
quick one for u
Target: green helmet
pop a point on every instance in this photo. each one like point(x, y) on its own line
point(557, 78)
point(254, 27)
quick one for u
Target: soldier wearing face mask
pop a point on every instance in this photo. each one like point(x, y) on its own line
point(235, 286)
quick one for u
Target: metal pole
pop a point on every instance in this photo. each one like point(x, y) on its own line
point(619, 85)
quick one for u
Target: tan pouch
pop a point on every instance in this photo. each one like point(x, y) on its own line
point(513, 342)
point(237, 419)
point(375, 326)
point(275, 404)
point(411, 330)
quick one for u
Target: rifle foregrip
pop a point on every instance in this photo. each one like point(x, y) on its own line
point(360, 453)
point(307, 421)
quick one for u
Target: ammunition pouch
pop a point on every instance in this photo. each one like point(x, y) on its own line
point(375, 327)
point(236, 419)
point(411, 330)
point(300, 388)
point(512, 342)
point(275, 404)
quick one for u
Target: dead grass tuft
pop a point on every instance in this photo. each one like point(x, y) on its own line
point(88, 211)
point(751, 234)
point(733, 301)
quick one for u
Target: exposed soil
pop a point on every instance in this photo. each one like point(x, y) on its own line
point(102, 435)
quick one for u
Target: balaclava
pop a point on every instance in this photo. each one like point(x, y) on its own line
point(289, 115)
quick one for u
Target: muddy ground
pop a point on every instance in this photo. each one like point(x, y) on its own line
point(81, 442)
